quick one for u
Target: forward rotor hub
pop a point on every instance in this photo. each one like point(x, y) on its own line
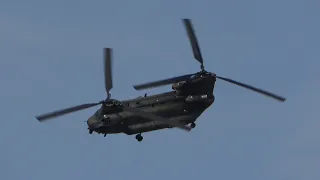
point(112, 103)
point(204, 74)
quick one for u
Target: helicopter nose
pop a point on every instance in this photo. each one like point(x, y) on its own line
point(91, 121)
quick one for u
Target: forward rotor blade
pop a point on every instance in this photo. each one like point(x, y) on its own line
point(156, 118)
point(279, 98)
point(162, 82)
point(193, 40)
point(108, 69)
point(65, 111)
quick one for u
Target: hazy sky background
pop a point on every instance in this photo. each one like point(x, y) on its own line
point(51, 58)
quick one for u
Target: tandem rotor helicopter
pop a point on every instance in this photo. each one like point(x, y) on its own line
point(192, 94)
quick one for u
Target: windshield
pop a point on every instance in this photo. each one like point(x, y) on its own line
point(98, 114)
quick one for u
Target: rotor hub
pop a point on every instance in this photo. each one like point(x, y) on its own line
point(108, 96)
point(202, 67)
point(112, 102)
point(205, 73)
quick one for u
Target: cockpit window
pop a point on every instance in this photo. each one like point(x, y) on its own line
point(97, 113)
point(193, 77)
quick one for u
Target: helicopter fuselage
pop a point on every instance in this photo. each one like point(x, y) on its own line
point(192, 95)
point(184, 105)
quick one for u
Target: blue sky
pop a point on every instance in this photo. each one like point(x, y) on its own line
point(51, 58)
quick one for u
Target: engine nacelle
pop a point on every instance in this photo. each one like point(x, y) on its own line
point(178, 86)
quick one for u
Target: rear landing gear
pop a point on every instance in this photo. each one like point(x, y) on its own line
point(90, 131)
point(193, 125)
point(139, 137)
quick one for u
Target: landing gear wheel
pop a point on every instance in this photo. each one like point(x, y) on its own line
point(90, 131)
point(193, 125)
point(139, 137)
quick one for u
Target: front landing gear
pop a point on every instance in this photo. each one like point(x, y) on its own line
point(139, 137)
point(193, 125)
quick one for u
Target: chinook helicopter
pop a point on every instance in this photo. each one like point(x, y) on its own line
point(192, 94)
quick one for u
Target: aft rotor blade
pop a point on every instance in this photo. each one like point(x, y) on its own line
point(156, 118)
point(65, 111)
point(279, 98)
point(193, 40)
point(108, 69)
point(162, 82)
